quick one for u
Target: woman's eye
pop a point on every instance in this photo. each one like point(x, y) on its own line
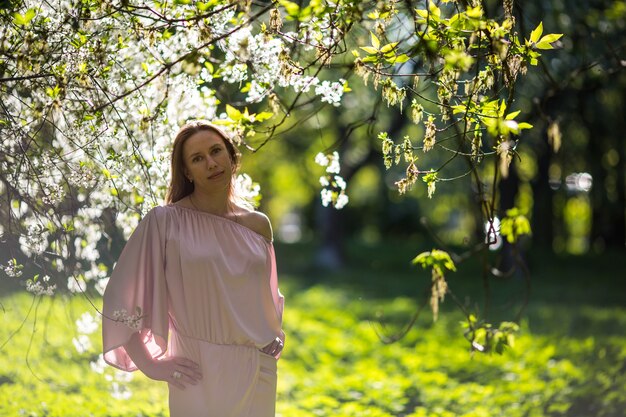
point(196, 159)
point(216, 150)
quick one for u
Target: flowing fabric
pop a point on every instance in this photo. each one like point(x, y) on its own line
point(203, 287)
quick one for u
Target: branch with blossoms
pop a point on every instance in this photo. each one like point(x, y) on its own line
point(333, 185)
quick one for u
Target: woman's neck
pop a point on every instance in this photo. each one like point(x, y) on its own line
point(214, 203)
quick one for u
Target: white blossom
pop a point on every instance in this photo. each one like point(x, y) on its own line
point(37, 288)
point(321, 159)
point(493, 238)
point(330, 92)
point(120, 391)
point(245, 188)
point(87, 324)
point(334, 186)
point(341, 183)
point(122, 376)
point(304, 83)
point(235, 73)
point(101, 285)
point(82, 343)
point(257, 92)
point(327, 196)
point(99, 365)
point(131, 320)
point(334, 167)
point(342, 200)
point(12, 269)
point(76, 284)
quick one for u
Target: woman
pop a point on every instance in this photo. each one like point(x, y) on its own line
point(193, 299)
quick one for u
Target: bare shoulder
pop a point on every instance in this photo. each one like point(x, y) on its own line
point(258, 222)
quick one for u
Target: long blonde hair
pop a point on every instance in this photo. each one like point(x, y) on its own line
point(180, 187)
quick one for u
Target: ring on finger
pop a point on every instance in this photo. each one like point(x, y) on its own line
point(176, 375)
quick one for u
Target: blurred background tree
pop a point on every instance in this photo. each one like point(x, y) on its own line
point(570, 173)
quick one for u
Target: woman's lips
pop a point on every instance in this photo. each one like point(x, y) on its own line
point(216, 175)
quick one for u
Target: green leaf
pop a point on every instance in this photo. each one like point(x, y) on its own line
point(203, 7)
point(388, 48)
point(401, 59)
point(512, 115)
point(290, 7)
point(24, 19)
point(375, 41)
point(514, 225)
point(370, 50)
point(263, 116)
point(474, 12)
point(552, 37)
point(546, 41)
point(53, 93)
point(422, 13)
point(543, 45)
point(233, 113)
point(437, 259)
point(536, 34)
point(434, 11)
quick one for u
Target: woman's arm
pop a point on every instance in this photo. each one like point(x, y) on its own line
point(174, 370)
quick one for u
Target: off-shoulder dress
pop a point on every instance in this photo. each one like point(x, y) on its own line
point(203, 287)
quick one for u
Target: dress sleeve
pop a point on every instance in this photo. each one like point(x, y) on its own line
point(279, 300)
point(135, 299)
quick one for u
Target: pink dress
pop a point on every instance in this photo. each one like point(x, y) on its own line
point(205, 288)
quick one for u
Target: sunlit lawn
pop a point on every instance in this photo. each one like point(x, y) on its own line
point(570, 359)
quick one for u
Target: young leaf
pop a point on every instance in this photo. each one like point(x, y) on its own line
point(546, 41)
point(512, 115)
point(233, 113)
point(370, 50)
point(434, 11)
point(536, 34)
point(400, 59)
point(388, 48)
point(263, 116)
point(375, 41)
point(291, 8)
point(24, 19)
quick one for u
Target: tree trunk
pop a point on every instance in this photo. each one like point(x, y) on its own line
point(543, 216)
point(507, 189)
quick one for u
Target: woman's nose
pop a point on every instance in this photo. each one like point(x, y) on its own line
point(210, 162)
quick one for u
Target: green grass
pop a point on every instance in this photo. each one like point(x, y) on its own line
point(569, 360)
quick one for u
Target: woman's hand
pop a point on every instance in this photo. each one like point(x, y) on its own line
point(178, 371)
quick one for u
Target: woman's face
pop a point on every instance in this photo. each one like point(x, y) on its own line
point(206, 160)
